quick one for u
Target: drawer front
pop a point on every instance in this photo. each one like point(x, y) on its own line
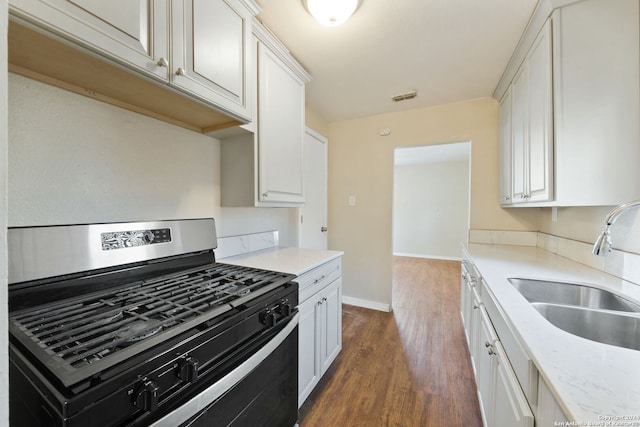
point(313, 281)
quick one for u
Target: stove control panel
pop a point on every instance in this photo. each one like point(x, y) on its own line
point(131, 238)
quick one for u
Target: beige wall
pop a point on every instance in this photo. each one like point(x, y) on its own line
point(361, 164)
point(316, 122)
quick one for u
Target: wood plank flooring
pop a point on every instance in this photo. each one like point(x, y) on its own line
point(406, 368)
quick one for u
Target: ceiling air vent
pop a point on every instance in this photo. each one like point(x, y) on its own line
point(404, 96)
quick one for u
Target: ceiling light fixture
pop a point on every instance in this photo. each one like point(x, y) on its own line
point(331, 12)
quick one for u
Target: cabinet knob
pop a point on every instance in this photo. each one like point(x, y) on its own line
point(507, 198)
point(162, 62)
point(265, 195)
point(323, 229)
point(181, 71)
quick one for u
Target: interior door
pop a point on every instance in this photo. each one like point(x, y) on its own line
point(313, 217)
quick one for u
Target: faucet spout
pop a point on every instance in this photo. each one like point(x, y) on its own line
point(602, 246)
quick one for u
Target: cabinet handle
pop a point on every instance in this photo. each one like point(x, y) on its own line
point(181, 71)
point(476, 306)
point(491, 351)
point(320, 279)
point(162, 63)
point(507, 198)
point(324, 229)
point(265, 195)
point(487, 344)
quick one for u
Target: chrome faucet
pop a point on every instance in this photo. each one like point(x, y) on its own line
point(602, 246)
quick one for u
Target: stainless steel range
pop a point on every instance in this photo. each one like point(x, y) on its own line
point(136, 324)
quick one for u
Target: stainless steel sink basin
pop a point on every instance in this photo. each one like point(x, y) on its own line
point(614, 328)
point(572, 294)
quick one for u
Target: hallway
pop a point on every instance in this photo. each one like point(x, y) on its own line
point(407, 368)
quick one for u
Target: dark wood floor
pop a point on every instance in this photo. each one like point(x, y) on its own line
point(406, 368)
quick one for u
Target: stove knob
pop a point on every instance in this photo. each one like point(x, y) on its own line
point(268, 318)
point(188, 369)
point(284, 309)
point(146, 396)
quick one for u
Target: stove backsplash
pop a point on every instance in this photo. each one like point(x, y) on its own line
point(241, 244)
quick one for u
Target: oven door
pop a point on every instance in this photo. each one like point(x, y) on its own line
point(262, 391)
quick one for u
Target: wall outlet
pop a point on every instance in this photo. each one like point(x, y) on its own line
point(352, 200)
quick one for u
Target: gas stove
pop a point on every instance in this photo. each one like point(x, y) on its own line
point(146, 336)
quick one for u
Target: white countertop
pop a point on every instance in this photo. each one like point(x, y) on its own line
point(589, 379)
point(286, 260)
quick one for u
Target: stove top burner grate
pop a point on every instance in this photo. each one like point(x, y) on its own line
point(79, 337)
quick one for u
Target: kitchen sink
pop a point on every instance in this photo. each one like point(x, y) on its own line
point(572, 294)
point(614, 328)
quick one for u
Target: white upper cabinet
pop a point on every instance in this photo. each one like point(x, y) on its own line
point(540, 128)
point(506, 194)
point(597, 102)
point(526, 130)
point(263, 166)
point(575, 87)
point(280, 130)
point(187, 62)
point(132, 32)
point(210, 53)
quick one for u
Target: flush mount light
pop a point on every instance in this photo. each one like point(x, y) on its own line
point(331, 12)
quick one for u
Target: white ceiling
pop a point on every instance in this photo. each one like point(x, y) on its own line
point(447, 50)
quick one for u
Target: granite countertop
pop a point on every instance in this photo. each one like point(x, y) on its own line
point(590, 380)
point(286, 260)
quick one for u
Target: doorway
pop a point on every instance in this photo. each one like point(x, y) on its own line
point(313, 217)
point(431, 200)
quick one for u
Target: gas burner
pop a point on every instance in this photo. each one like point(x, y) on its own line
point(139, 330)
point(236, 290)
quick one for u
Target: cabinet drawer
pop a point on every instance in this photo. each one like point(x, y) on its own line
point(312, 281)
point(522, 365)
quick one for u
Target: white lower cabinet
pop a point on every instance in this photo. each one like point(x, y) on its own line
point(510, 407)
point(320, 327)
point(500, 393)
point(548, 412)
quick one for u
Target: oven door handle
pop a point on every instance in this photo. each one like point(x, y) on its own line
point(201, 401)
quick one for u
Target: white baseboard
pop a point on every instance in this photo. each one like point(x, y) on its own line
point(366, 303)
point(427, 256)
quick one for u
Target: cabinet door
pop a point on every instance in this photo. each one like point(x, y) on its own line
point(520, 132)
point(505, 149)
point(280, 130)
point(540, 137)
point(465, 300)
point(331, 327)
point(510, 407)
point(308, 349)
point(210, 52)
point(597, 104)
point(485, 367)
point(132, 32)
